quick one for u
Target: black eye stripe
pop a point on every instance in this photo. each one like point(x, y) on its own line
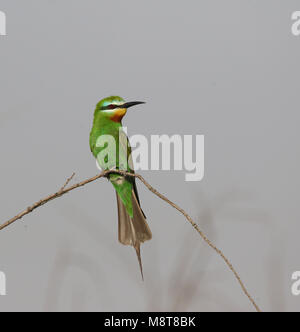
point(109, 107)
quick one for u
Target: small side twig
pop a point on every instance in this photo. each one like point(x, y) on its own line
point(67, 182)
point(65, 190)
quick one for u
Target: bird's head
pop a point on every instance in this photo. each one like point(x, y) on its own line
point(115, 107)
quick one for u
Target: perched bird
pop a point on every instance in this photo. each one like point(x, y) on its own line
point(133, 227)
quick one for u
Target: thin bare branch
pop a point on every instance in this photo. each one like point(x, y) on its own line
point(65, 190)
point(48, 199)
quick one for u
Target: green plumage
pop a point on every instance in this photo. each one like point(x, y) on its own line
point(103, 125)
point(110, 145)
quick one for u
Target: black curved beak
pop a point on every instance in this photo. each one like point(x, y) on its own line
point(131, 103)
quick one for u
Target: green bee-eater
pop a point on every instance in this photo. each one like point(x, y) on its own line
point(133, 228)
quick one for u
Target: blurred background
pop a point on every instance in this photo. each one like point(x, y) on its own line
point(224, 69)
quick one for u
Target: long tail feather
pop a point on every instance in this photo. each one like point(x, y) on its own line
point(133, 231)
point(137, 248)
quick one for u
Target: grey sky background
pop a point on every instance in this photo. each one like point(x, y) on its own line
point(226, 69)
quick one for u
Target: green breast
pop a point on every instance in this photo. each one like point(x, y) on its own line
point(118, 156)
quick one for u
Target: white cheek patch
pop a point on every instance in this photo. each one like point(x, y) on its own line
point(109, 111)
